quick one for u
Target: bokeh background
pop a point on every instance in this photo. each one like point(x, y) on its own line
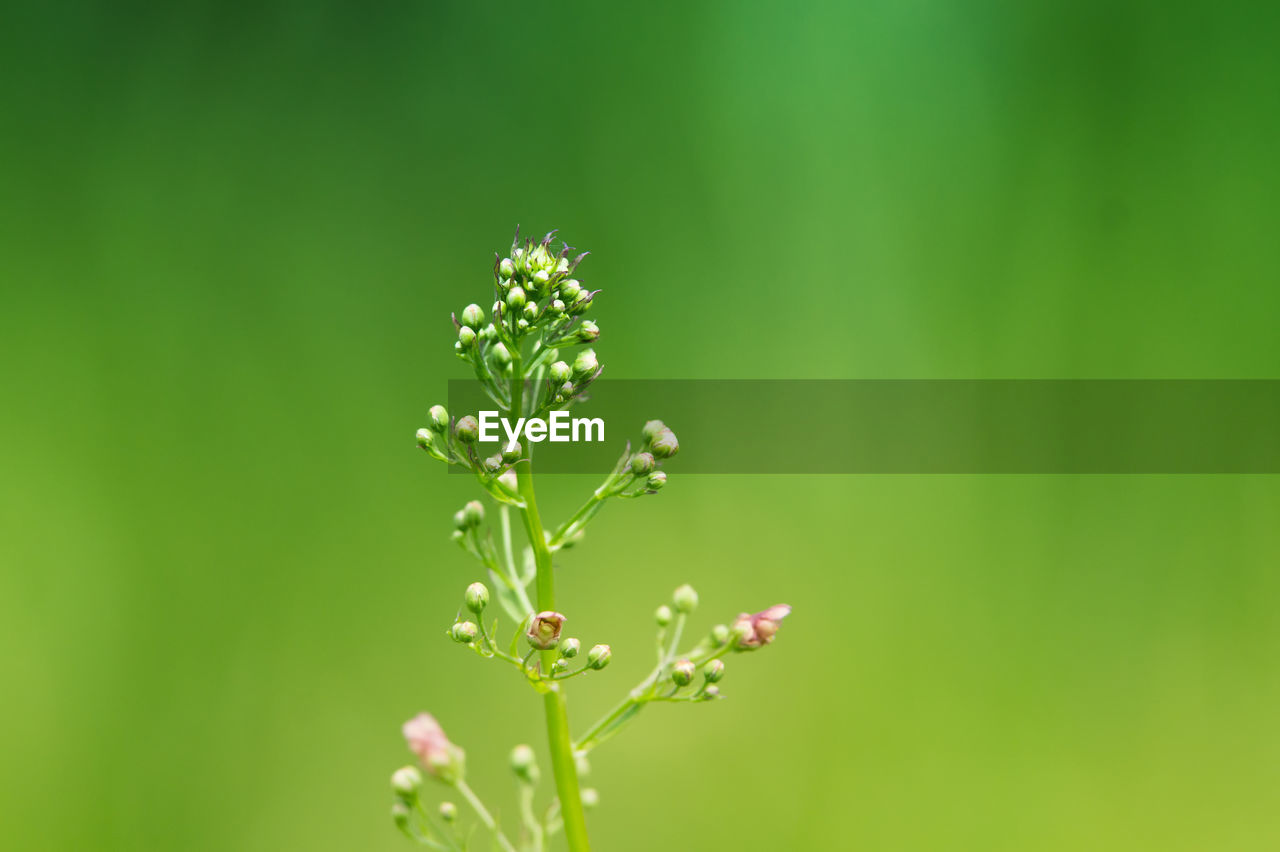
point(230, 238)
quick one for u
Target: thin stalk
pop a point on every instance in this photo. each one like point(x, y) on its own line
point(485, 817)
point(563, 765)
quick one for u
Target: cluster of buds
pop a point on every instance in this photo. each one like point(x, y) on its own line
point(544, 634)
point(455, 441)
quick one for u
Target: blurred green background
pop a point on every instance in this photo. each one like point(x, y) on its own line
point(230, 237)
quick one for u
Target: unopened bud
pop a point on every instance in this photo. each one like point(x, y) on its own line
point(511, 452)
point(559, 372)
point(509, 482)
point(530, 312)
point(713, 671)
point(556, 307)
point(686, 599)
point(474, 511)
point(560, 666)
point(522, 325)
point(501, 356)
point(682, 673)
point(464, 632)
point(400, 814)
point(711, 693)
point(586, 363)
point(642, 464)
point(588, 331)
point(599, 656)
point(487, 333)
point(466, 337)
point(544, 630)
point(472, 316)
point(476, 597)
point(405, 783)
point(580, 302)
point(662, 615)
point(569, 648)
point(493, 463)
point(590, 797)
point(720, 635)
point(424, 438)
point(540, 279)
point(437, 418)
point(570, 289)
point(651, 430)
point(516, 299)
point(524, 763)
point(506, 268)
point(448, 812)
point(460, 520)
point(665, 444)
point(657, 479)
point(467, 429)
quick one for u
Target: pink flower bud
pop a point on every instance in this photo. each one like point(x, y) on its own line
point(426, 739)
point(758, 630)
point(544, 630)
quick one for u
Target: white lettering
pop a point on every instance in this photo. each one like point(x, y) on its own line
point(559, 426)
point(488, 421)
point(587, 424)
point(513, 435)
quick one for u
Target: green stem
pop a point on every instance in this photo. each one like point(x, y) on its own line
point(563, 765)
point(485, 817)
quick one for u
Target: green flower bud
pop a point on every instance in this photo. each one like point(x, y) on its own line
point(488, 334)
point(501, 356)
point(509, 483)
point(497, 309)
point(474, 511)
point(460, 520)
point(559, 372)
point(651, 430)
point(506, 268)
point(657, 479)
point(493, 464)
point(566, 391)
point(569, 648)
point(599, 656)
point(586, 363)
point(448, 812)
point(522, 325)
point(476, 597)
point(405, 783)
point(713, 671)
point(588, 331)
point(711, 693)
point(511, 452)
point(590, 797)
point(437, 418)
point(556, 307)
point(662, 615)
point(540, 258)
point(516, 298)
point(464, 632)
point(682, 673)
point(518, 256)
point(570, 289)
point(472, 316)
point(665, 444)
point(686, 599)
point(524, 763)
point(642, 463)
point(540, 279)
point(720, 635)
point(560, 666)
point(456, 536)
point(580, 302)
point(424, 438)
point(466, 337)
point(467, 429)
point(400, 814)
point(530, 312)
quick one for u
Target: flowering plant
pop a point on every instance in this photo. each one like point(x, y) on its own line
point(537, 313)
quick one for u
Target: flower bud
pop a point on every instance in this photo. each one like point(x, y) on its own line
point(580, 302)
point(506, 268)
point(456, 536)
point(651, 430)
point(758, 630)
point(590, 797)
point(530, 312)
point(493, 464)
point(464, 632)
point(665, 444)
point(540, 279)
point(662, 615)
point(424, 438)
point(509, 483)
point(686, 599)
point(588, 331)
point(524, 763)
point(585, 364)
point(657, 479)
point(711, 693)
point(599, 656)
point(560, 666)
point(565, 392)
point(448, 812)
point(466, 337)
point(556, 307)
point(559, 372)
point(642, 464)
point(405, 783)
point(501, 356)
point(488, 333)
point(460, 520)
point(401, 814)
point(511, 452)
point(437, 418)
point(682, 673)
point(474, 511)
point(713, 671)
point(544, 630)
point(427, 740)
point(467, 429)
point(476, 597)
point(720, 635)
point(516, 299)
point(569, 648)
point(570, 289)
point(472, 316)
